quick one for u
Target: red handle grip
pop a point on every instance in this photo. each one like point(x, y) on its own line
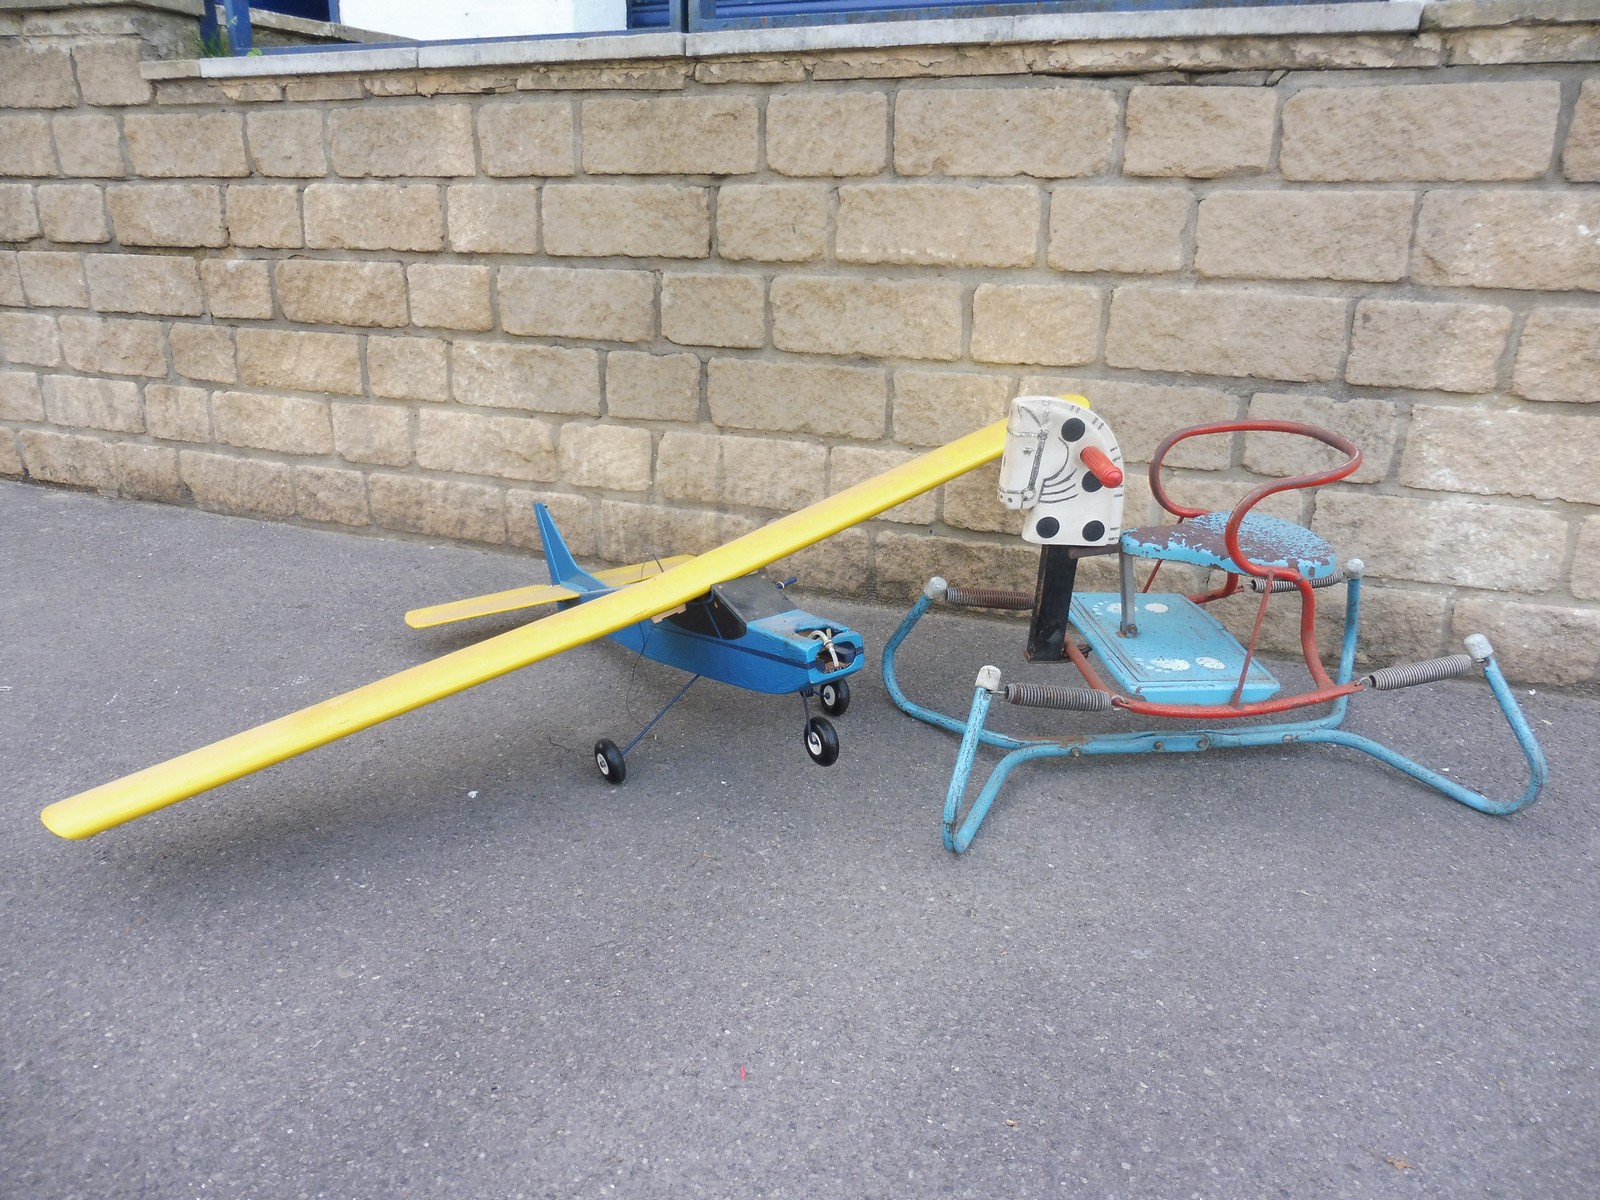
point(1106, 471)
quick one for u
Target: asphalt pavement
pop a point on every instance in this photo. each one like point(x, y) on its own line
point(443, 958)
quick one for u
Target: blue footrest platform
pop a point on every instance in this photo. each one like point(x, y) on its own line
point(1181, 654)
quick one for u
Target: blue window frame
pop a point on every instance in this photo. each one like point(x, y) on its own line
point(696, 15)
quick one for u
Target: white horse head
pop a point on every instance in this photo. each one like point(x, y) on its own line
point(1044, 472)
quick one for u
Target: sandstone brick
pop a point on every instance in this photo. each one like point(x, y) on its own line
point(19, 219)
point(1450, 347)
point(36, 76)
point(502, 447)
point(288, 145)
point(1372, 424)
point(670, 135)
point(1510, 239)
point(449, 296)
point(331, 495)
point(372, 433)
point(110, 404)
point(265, 215)
point(850, 465)
point(20, 398)
point(993, 225)
point(640, 221)
point(229, 484)
point(408, 139)
point(1397, 625)
point(408, 368)
point(796, 397)
point(108, 73)
point(599, 305)
point(113, 347)
point(1218, 493)
point(758, 472)
point(1493, 452)
point(174, 145)
point(290, 424)
point(25, 146)
point(935, 407)
point(878, 319)
point(840, 565)
point(1052, 132)
point(316, 292)
point(656, 387)
point(1035, 323)
point(838, 134)
point(177, 414)
point(1134, 230)
point(88, 146)
point(306, 362)
point(238, 288)
point(1304, 235)
point(714, 310)
point(53, 279)
point(11, 465)
point(614, 457)
point(772, 222)
point(1585, 559)
point(1143, 414)
point(636, 532)
point(30, 339)
point(574, 515)
point(1490, 545)
point(373, 216)
point(319, 90)
point(904, 562)
point(1265, 335)
point(73, 213)
point(166, 214)
point(68, 458)
point(144, 283)
point(1558, 357)
point(203, 352)
point(1439, 131)
point(1580, 160)
point(438, 508)
point(11, 293)
point(546, 379)
point(1534, 643)
point(526, 138)
point(148, 472)
point(1199, 132)
point(494, 218)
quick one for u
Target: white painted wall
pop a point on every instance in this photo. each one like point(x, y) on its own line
point(429, 20)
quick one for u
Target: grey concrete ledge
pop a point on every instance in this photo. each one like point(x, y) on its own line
point(1376, 16)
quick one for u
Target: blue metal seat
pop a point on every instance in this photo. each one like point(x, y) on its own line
point(1265, 541)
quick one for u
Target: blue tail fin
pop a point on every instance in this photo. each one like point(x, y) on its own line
point(564, 569)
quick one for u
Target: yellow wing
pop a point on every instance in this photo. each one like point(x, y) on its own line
point(122, 800)
point(533, 595)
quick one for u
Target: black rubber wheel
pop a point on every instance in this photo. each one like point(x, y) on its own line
point(609, 759)
point(835, 698)
point(822, 743)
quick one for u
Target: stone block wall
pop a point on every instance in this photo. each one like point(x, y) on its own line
point(676, 296)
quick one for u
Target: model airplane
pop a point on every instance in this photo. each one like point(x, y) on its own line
point(655, 593)
point(741, 632)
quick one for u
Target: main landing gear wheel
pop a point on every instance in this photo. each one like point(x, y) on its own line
point(609, 759)
point(822, 743)
point(835, 698)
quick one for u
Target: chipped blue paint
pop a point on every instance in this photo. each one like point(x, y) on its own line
point(1182, 654)
point(1265, 541)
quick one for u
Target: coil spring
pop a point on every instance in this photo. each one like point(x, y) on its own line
point(966, 597)
point(1387, 679)
point(1257, 584)
point(1044, 695)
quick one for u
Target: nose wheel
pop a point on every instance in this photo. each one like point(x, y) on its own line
point(822, 743)
point(613, 768)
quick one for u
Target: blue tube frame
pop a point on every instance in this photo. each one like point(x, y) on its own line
point(1318, 730)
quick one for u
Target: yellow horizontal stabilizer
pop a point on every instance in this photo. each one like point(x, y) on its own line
point(533, 595)
point(122, 800)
